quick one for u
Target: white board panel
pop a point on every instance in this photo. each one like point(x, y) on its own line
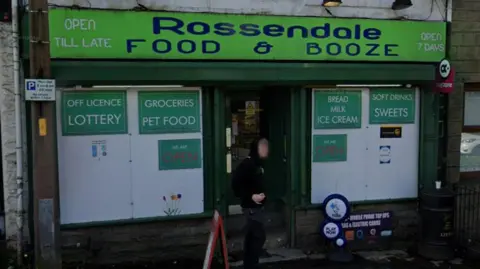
point(399, 178)
point(93, 188)
point(150, 184)
point(347, 178)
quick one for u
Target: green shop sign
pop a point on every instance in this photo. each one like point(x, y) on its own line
point(179, 154)
point(94, 112)
point(198, 36)
point(338, 109)
point(392, 106)
point(168, 112)
point(330, 148)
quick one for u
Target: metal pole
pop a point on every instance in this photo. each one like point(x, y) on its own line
point(44, 148)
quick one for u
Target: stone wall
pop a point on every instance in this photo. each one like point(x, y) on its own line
point(186, 239)
point(159, 241)
point(404, 224)
point(465, 56)
point(149, 242)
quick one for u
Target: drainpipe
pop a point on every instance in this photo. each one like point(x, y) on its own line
point(449, 9)
point(18, 130)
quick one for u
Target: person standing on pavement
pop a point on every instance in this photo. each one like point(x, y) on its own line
point(248, 185)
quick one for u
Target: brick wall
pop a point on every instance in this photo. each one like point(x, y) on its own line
point(465, 56)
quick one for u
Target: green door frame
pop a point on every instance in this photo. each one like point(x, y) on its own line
point(230, 93)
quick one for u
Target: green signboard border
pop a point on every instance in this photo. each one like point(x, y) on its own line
point(171, 131)
point(231, 37)
point(379, 122)
point(63, 110)
point(360, 100)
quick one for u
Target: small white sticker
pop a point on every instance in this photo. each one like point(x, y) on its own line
point(385, 154)
point(99, 148)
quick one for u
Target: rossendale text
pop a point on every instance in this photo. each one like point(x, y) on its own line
point(174, 25)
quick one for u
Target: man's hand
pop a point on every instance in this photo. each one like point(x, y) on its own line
point(258, 198)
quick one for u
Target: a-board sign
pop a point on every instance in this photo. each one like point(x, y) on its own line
point(216, 231)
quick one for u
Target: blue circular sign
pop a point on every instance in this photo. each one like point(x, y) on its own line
point(336, 208)
point(331, 230)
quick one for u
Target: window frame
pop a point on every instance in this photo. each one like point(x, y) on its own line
point(469, 87)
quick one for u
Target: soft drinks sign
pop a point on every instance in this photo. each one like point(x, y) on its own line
point(445, 77)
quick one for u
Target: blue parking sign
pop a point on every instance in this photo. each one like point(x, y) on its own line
point(31, 86)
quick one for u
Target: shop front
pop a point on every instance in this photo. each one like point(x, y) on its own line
point(156, 109)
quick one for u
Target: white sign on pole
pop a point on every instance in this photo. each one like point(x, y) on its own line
point(40, 89)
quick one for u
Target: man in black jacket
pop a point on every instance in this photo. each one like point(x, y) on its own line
point(248, 185)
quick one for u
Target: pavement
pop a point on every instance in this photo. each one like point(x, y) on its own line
point(295, 259)
point(392, 259)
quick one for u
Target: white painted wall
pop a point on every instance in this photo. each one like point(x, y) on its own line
point(432, 10)
point(8, 139)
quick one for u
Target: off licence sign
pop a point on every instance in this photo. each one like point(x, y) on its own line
point(94, 112)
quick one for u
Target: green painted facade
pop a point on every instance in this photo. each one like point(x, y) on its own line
point(289, 79)
point(292, 81)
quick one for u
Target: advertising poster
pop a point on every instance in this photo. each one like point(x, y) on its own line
point(369, 230)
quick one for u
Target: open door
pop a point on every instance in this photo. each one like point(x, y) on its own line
point(250, 115)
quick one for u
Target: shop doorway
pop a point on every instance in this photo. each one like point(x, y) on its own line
point(254, 113)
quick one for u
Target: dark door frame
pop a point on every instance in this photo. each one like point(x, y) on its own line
point(254, 93)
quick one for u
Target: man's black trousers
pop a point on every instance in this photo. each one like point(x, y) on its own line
point(254, 238)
